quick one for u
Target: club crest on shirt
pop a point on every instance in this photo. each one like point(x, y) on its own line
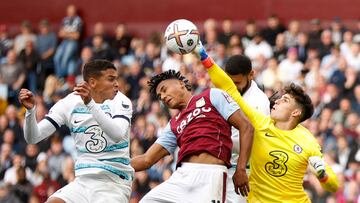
point(200, 102)
point(228, 98)
point(297, 149)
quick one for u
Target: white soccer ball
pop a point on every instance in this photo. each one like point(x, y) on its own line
point(181, 36)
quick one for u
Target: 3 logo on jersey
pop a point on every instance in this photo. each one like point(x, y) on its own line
point(97, 142)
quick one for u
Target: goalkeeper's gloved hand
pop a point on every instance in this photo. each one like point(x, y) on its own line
point(319, 165)
point(206, 60)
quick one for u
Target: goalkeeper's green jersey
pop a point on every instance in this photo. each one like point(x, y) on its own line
point(279, 158)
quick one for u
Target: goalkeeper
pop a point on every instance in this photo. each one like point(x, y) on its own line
point(282, 147)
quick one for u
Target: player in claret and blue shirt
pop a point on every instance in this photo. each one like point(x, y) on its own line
point(98, 116)
point(202, 130)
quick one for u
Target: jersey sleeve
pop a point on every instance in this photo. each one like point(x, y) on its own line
point(167, 139)
point(223, 103)
point(118, 125)
point(330, 183)
point(56, 115)
point(222, 81)
point(123, 110)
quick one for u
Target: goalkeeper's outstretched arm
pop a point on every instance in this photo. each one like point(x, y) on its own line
point(222, 81)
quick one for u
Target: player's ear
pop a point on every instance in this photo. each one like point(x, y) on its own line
point(92, 82)
point(251, 74)
point(296, 113)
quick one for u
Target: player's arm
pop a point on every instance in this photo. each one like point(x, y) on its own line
point(34, 132)
point(164, 145)
point(116, 126)
point(222, 81)
point(230, 111)
point(324, 173)
point(151, 156)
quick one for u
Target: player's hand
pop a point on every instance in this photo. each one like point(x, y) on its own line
point(83, 89)
point(200, 51)
point(319, 165)
point(241, 182)
point(26, 98)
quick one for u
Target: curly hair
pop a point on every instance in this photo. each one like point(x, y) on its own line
point(170, 74)
point(301, 99)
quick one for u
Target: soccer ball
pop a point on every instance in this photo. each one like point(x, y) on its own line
point(181, 36)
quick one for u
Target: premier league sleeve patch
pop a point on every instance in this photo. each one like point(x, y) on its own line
point(228, 98)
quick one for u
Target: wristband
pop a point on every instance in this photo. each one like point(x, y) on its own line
point(208, 62)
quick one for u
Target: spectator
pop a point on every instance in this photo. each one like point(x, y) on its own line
point(121, 42)
point(23, 188)
point(325, 44)
point(6, 157)
point(337, 30)
point(101, 49)
point(31, 155)
point(25, 35)
point(273, 28)
point(7, 195)
point(30, 59)
point(47, 186)
point(56, 158)
point(45, 45)
point(98, 30)
point(6, 43)
point(226, 33)
point(315, 33)
point(257, 50)
point(290, 68)
point(70, 31)
point(280, 49)
point(12, 74)
point(10, 174)
point(292, 34)
point(250, 32)
point(303, 46)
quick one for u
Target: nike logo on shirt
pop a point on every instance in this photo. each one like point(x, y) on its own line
point(77, 121)
point(268, 135)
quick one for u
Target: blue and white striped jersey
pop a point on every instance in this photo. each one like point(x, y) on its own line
point(98, 152)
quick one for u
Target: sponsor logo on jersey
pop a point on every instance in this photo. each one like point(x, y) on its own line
point(196, 113)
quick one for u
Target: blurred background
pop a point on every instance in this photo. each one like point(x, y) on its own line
point(44, 44)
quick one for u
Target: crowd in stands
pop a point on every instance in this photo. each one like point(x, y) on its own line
point(324, 60)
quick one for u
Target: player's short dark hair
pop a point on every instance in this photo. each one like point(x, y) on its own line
point(170, 74)
point(94, 68)
point(238, 64)
point(302, 99)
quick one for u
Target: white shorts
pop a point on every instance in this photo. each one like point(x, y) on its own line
point(191, 183)
point(97, 188)
point(231, 196)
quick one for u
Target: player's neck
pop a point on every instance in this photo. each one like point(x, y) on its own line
point(98, 99)
point(187, 98)
point(285, 125)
